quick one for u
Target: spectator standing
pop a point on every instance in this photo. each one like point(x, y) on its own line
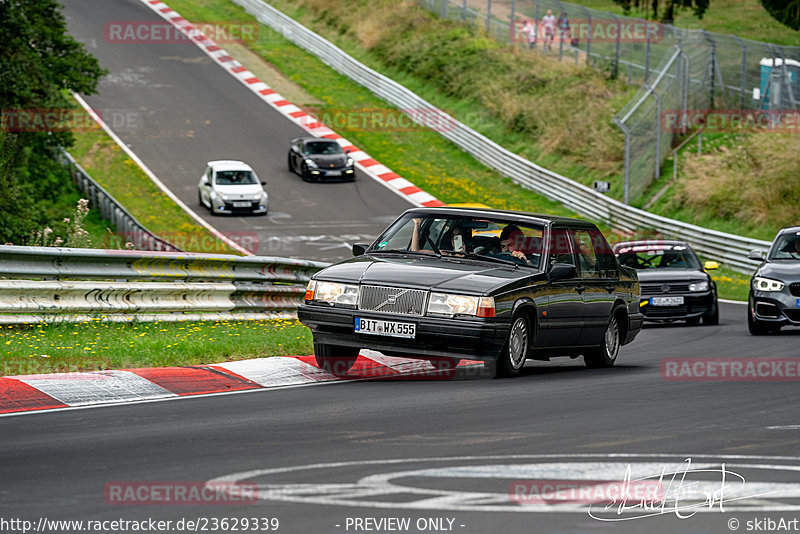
point(563, 26)
point(529, 34)
point(549, 23)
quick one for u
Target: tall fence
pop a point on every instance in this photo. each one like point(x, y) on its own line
point(684, 73)
point(47, 284)
point(114, 212)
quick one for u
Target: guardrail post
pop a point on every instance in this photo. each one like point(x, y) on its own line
point(615, 71)
point(589, 34)
point(683, 78)
point(658, 134)
point(488, 15)
point(561, 12)
point(743, 81)
point(647, 53)
point(711, 67)
point(464, 10)
point(444, 8)
point(626, 177)
point(512, 25)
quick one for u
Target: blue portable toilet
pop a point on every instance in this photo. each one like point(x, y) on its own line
point(779, 88)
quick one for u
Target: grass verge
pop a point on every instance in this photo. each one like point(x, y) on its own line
point(96, 345)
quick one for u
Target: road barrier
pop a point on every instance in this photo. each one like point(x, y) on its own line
point(114, 212)
point(39, 283)
point(729, 249)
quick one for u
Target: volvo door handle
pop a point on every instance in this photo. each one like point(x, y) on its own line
point(610, 289)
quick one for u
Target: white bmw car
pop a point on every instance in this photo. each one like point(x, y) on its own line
point(232, 187)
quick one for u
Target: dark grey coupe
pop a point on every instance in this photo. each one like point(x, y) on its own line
point(775, 287)
point(443, 284)
point(317, 159)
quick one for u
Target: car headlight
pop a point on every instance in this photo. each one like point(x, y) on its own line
point(349, 162)
point(450, 305)
point(767, 284)
point(699, 286)
point(311, 163)
point(332, 293)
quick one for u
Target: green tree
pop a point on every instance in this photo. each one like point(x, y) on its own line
point(664, 10)
point(40, 62)
point(787, 12)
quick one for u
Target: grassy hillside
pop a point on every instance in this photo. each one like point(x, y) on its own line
point(745, 18)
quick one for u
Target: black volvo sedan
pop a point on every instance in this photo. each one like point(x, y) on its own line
point(443, 284)
point(775, 287)
point(675, 284)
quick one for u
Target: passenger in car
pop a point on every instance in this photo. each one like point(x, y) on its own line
point(458, 238)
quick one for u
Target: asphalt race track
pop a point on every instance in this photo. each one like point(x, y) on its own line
point(452, 437)
point(177, 110)
point(464, 455)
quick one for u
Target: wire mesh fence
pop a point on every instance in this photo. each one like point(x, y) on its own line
point(686, 75)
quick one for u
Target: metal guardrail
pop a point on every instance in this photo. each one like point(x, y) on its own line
point(730, 249)
point(41, 281)
point(114, 212)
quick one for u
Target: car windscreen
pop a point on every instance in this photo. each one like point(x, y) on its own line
point(786, 247)
point(314, 148)
point(658, 257)
point(235, 178)
point(478, 238)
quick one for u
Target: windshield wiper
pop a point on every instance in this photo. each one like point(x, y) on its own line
point(399, 251)
point(456, 254)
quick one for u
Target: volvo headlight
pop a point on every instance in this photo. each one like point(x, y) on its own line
point(448, 304)
point(767, 284)
point(332, 293)
point(699, 286)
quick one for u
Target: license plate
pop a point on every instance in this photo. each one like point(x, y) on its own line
point(333, 173)
point(666, 301)
point(798, 303)
point(241, 204)
point(385, 328)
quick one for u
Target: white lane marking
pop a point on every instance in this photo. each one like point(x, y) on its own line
point(726, 301)
point(747, 496)
point(784, 427)
point(96, 387)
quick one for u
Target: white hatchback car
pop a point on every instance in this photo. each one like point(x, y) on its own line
point(232, 187)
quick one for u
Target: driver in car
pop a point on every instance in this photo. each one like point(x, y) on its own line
point(793, 248)
point(511, 238)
